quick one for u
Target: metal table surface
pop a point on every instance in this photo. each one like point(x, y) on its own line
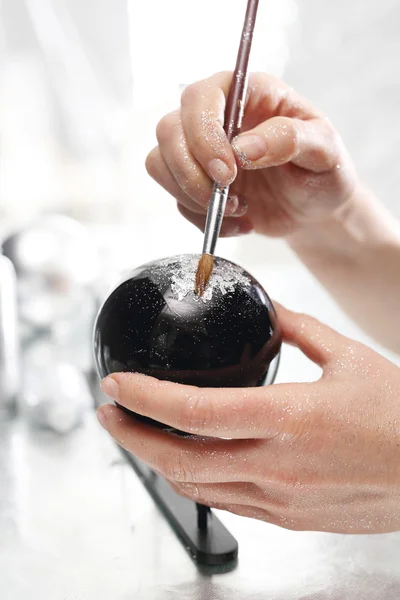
point(76, 524)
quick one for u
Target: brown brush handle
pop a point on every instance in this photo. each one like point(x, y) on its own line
point(233, 122)
point(237, 93)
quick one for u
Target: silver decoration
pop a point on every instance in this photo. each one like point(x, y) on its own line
point(55, 260)
point(55, 393)
point(182, 271)
point(57, 267)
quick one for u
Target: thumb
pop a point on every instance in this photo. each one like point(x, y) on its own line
point(317, 341)
point(311, 144)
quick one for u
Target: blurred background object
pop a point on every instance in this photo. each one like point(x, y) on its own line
point(57, 266)
point(9, 339)
point(55, 394)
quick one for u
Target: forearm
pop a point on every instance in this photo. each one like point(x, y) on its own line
point(356, 256)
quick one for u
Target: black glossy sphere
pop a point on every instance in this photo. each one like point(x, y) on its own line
point(154, 323)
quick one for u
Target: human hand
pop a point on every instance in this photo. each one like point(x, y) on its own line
point(289, 167)
point(306, 456)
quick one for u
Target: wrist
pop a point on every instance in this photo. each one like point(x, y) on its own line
point(358, 227)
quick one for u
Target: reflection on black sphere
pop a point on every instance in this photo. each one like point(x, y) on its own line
point(153, 323)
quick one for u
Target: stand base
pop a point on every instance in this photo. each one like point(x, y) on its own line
point(212, 546)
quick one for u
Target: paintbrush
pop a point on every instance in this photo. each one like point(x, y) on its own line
point(233, 121)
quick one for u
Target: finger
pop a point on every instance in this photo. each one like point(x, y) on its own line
point(209, 493)
point(158, 169)
point(202, 114)
point(310, 144)
point(317, 341)
point(242, 510)
point(217, 493)
point(232, 225)
point(185, 169)
point(270, 97)
point(244, 493)
point(250, 512)
point(178, 459)
point(238, 413)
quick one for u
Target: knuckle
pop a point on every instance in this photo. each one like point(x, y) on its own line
point(197, 414)
point(265, 81)
point(167, 466)
point(333, 135)
point(163, 129)
point(351, 350)
point(288, 132)
point(299, 429)
point(225, 76)
point(305, 321)
point(333, 146)
point(293, 136)
point(175, 467)
point(197, 138)
point(210, 143)
point(151, 163)
point(178, 162)
point(307, 422)
point(162, 465)
point(191, 93)
point(326, 161)
point(289, 483)
point(191, 490)
point(292, 491)
point(166, 126)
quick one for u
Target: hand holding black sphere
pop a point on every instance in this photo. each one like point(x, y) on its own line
point(154, 323)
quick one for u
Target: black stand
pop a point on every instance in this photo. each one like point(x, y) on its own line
point(203, 513)
point(204, 536)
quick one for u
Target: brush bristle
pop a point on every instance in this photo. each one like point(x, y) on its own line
point(204, 270)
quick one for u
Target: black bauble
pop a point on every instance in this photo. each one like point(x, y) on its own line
point(154, 323)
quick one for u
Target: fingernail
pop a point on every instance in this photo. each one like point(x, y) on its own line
point(231, 205)
point(250, 147)
point(102, 418)
point(220, 172)
point(235, 206)
point(242, 208)
point(110, 387)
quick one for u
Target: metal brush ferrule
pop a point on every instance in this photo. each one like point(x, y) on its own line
point(215, 214)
